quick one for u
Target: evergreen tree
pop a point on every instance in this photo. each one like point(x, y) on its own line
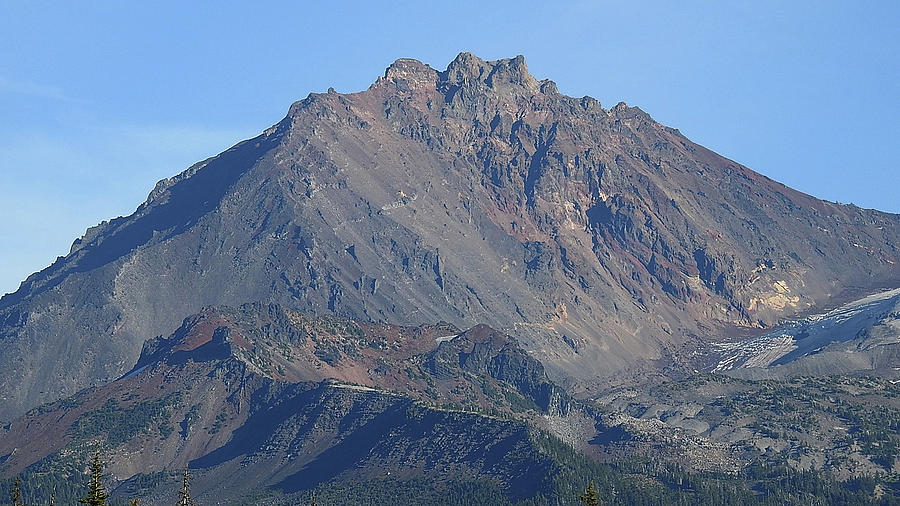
point(589, 497)
point(184, 496)
point(16, 492)
point(97, 494)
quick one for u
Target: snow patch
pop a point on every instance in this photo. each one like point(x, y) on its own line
point(444, 339)
point(134, 372)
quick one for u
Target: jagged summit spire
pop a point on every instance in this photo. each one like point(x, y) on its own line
point(405, 68)
point(466, 68)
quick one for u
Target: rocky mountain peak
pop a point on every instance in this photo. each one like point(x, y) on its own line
point(466, 70)
point(605, 241)
point(409, 73)
point(472, 70)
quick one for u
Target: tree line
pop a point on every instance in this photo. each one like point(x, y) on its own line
point(636, 484)
point(96, 493)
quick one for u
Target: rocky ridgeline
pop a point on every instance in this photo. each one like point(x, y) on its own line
point(236, 390)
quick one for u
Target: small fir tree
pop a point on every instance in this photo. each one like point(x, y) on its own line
point(97, 494)
point(17, 492)
point(184, 496)
point(589, 497)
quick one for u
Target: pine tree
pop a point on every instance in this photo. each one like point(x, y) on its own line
point(17, 492)
point(184, 496)
point(589, 497)
point(97, 494)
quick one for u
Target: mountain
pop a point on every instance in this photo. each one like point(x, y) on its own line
point(262, 397)
point(417, 415)
point(611, 246)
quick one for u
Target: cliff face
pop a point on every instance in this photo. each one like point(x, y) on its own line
point(609, 244)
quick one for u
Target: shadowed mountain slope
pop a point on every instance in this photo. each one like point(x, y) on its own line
point(609, 244)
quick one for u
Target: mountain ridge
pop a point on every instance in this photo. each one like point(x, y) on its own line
point(620, 245)
point(290, 402)
point(267, 405)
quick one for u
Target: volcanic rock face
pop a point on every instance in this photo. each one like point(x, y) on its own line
point(608, 242)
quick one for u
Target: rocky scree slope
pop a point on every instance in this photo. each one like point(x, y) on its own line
point(610, 244)
point(843, 426)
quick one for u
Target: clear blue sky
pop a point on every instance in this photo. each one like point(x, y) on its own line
point(99, 100)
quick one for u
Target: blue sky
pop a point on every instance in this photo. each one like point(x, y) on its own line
point(99, 100)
